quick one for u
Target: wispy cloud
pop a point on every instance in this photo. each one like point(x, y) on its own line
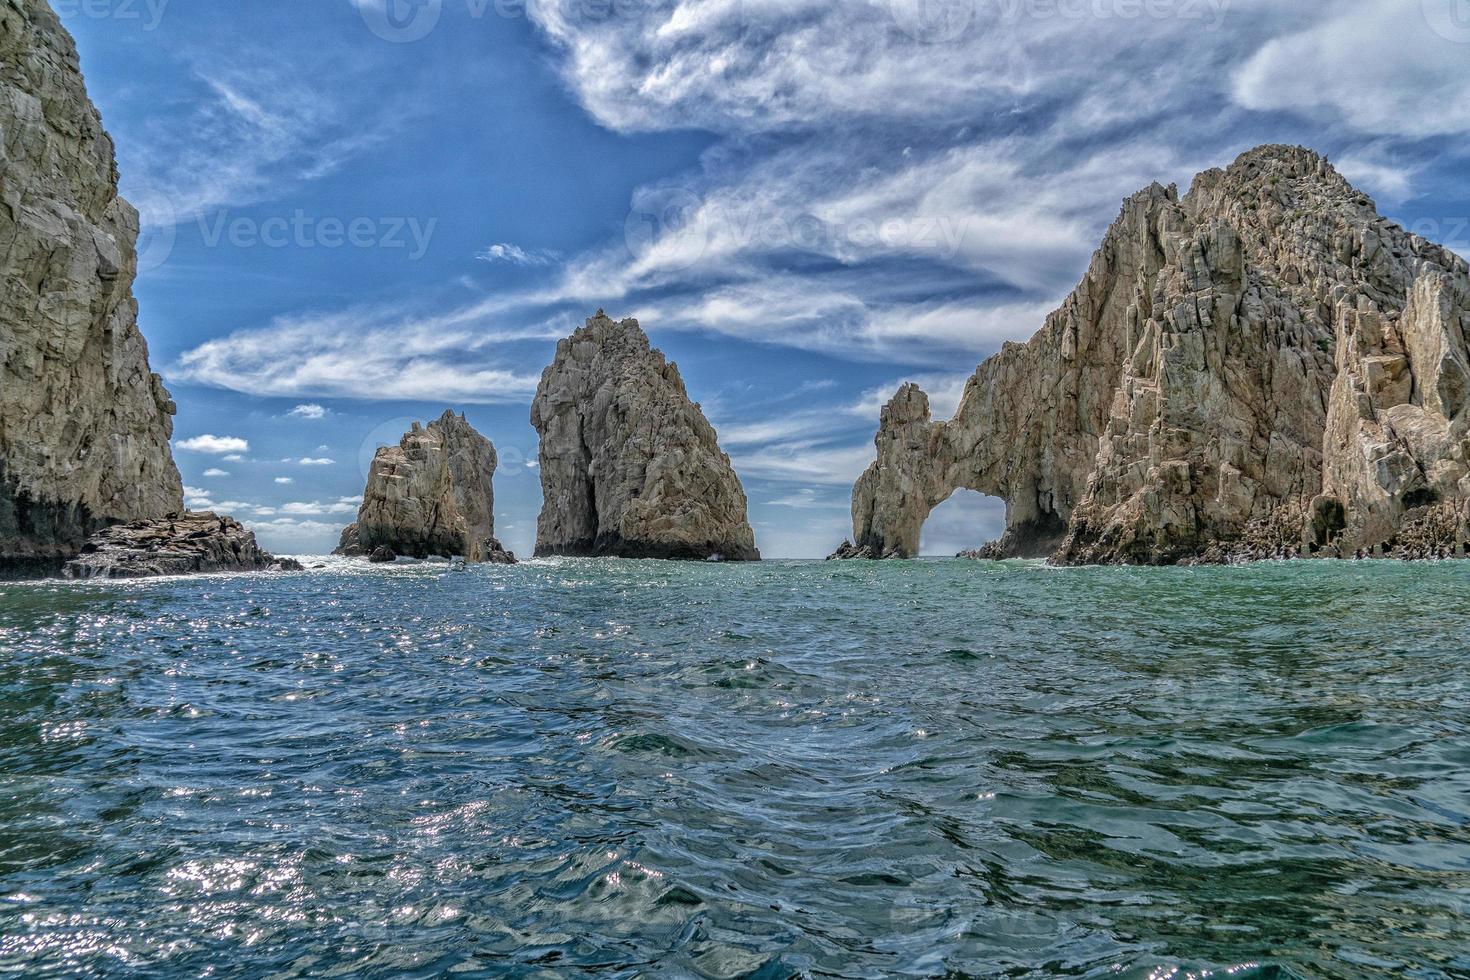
point(309, 411)
point(368, 354)
point(515, 255)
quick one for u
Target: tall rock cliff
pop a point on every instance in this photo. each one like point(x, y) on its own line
point(1264, 365)
point(630, 467)
point(84, 423)
point(431, 495)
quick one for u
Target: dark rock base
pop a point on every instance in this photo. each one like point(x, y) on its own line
point(186, 544)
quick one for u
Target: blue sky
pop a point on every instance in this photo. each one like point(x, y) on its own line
point(361, 212)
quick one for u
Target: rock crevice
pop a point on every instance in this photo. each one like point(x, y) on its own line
point(1263, 359)
point(630, 467)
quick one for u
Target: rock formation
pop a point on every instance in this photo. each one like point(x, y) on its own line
point(630, 468)
point(430, 496)
point(1263, 366)
point(84, 423)
point(184, 545)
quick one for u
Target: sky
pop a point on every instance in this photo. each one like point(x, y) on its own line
point(359, 213)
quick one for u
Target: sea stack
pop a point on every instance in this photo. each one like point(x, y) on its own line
point(1263, 367)
point(630, 467)
point(84, 423)
point(430, 496)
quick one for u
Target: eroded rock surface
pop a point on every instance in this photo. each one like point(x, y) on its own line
point(1263, 367)
point(184, 544)
point(431, 495)
point(84, 423)
point(630, 467)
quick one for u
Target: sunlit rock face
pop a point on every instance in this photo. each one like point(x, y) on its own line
point(432, 495)
point(630, 467)
point(1264, 366)
point(84, 423)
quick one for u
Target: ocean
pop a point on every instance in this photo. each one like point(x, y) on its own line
point(583, 768)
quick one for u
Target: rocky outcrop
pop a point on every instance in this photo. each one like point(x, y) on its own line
point(1261, 367)
point(84, 423)
point(630, 467)
point(430, 496)
point(184, 544)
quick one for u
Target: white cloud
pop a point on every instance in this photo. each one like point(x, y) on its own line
point(284, 480)
point(216, 472)
point(1379, 65)
point(214, 445)
point(196, 498)
point(310, 411)
point(343, 505)
point(366, 354)
point(234, 458)
point(515, 255)
point(308, 461)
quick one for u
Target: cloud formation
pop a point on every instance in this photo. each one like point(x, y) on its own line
point(214, 445)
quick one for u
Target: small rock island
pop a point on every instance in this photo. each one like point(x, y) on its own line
point(630, 467)
point(430, 496)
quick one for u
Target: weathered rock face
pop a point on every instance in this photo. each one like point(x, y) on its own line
point(185, 544)
point(84, 423)
point(630, 468)
point(431, 496)
point(1262, 366)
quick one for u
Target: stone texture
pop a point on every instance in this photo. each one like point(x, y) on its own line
point(84, 424)
point(630, 467)
point(184, 544)
point(432, 495)
point(1263, 367)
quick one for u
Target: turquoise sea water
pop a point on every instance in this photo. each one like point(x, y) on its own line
point(578, 768)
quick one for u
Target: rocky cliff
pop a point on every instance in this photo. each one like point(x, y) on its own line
point(431, 496)
point(84, 423)
point(1262, 366)
point(630, 467)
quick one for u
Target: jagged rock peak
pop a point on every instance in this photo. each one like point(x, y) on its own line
point(1263, 366)
point(84, 423)
point(430, 496)
point(630, 467)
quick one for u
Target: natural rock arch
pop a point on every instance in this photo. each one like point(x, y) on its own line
point(1263, 366)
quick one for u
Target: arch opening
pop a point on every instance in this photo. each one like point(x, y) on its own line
point(965, 520)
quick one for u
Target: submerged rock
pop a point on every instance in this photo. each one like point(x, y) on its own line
point(430, 496)
point(84, 423)
point(184, 544)
point(1263, 367)
point(630, 467)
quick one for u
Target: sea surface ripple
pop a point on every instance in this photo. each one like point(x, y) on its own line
point(792, 768)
